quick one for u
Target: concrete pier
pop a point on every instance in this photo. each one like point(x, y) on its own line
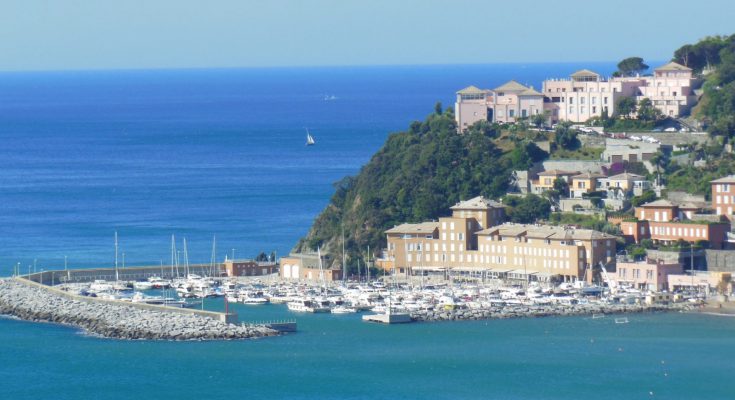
point(393, 318)
point(113, 319)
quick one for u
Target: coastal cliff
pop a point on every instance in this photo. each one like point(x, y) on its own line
point(417, 175)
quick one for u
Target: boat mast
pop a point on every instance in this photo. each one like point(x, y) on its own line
point(212, 260)
point(117, 275)
point(186, 259)
point(368, 264)
point(173, 257)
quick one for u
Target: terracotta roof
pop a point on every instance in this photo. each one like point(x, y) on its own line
point(477, 203)
point(726, 179)
point(424, 227)
point(672, 66)
point(511, 86)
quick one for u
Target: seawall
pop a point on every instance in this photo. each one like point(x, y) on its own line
point(112, 319)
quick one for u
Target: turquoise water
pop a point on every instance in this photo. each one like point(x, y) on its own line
point(199, 153)
point(674, 356)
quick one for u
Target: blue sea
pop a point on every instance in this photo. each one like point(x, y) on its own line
point(205, 153)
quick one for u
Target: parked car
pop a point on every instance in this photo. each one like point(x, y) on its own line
point(671, 129)
point(636, 138)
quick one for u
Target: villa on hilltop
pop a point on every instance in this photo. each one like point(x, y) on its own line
point(585, 94)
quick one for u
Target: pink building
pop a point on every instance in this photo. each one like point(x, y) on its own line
point(504, 104)
point(471, 106)
point(512, 100)
point(647, 275)
point(670, 89)
point(585, 95)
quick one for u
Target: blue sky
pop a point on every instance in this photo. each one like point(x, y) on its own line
point(88, 34)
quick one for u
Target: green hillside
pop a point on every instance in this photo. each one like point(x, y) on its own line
point(417, 175)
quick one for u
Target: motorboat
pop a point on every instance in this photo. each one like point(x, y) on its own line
point(308, 306)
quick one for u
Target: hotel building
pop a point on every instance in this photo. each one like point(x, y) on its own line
point(585, 94)
point(472, 241)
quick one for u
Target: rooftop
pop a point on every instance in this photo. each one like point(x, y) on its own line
point(626, 175)
point(659, 203)
point(476, 203)
point(584, 72)
point(511, 86)
point(472, 90)
point(424, 227)
point(672, 66)
point(726, 179)
point(588, 175)
point(544, 232)
point(557, 172)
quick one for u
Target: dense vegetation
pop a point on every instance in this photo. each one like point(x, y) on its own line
point(416, 176)
point(715, 55)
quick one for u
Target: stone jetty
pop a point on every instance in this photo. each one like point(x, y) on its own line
point(116, 320)
point(525, 311)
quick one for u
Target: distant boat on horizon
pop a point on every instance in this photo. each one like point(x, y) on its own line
point(309, 139)
point(330, 97)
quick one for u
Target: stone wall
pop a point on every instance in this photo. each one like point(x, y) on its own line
point(720, 260)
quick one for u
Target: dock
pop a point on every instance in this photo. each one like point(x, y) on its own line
point(392, 318)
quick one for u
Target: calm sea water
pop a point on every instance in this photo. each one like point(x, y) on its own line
point(221, 152)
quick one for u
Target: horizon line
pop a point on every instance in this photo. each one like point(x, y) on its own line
point(284, 67)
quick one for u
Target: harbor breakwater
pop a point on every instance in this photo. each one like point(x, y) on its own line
point(525, 311)
point(33, 302)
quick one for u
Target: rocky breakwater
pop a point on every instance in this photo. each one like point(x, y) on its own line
point(525, 311)
point(116, 320)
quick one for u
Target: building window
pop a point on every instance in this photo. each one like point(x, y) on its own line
point(604, 100)
point(511, 113)
point(594, 110)
point(581, 100)
point(594, 100)
point(571, 100)
point(571, 109)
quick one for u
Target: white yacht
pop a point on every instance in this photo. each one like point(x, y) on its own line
point(307, 305)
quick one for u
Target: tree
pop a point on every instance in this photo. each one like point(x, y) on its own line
point(625, 106)
point(539, 120)
point(527, 209)
point(525, 154)
point(565, 137)
point(647, 112)
point(438, 108)
point(561, 188)
point(645, 197)
point(632, 66)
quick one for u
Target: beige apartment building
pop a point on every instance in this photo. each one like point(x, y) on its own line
point(472, 240)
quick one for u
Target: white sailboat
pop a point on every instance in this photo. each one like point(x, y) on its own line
point(309, 139)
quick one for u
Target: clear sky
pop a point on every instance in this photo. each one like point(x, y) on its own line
point(99, 34)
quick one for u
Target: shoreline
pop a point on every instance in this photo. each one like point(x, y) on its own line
point(116, 321)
